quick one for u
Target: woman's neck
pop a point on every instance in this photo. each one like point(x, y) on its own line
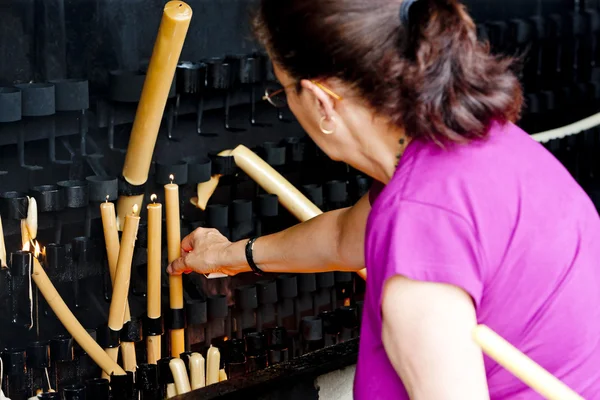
point(378, 153)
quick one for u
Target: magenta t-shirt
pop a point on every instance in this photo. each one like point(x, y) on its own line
point(502, 219)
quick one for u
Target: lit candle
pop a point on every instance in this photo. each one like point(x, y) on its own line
point(123, 272)
point(2, 247)
point(173, 253)
point(154, 274)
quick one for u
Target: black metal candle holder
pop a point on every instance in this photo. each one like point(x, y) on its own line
point(256, 351)
point(311, 334)
point(191, 81)
point(267, 211)
point(267, 299)
point(147, 382)
point(14, 205)
point(242, 218)
point(246, 303)
point(217, 312)
point(10, 104)
point(177, 170)
point(122, 387)
point(287, 291)
point(97, 389)
point(74, 392)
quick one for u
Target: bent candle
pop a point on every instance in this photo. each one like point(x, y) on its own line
point(71, 324)
point(161, 70)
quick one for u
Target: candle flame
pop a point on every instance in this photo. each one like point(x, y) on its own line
point(135, 209)
point(172, 178)
point(153, 198)
point(36, 251)
point(347, 303)
point(107, 197)
point(26, 246)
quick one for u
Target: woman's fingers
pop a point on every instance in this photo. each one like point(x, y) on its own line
point(177, 267)
point(187, 244)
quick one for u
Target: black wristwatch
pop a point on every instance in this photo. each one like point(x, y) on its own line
point(250, 257)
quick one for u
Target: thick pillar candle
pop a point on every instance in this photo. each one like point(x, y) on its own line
point(154, 275)
point(163, 63)
point(173, 253)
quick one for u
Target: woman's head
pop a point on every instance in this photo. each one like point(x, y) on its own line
point(426, 74)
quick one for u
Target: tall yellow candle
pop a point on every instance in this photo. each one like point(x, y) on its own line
point(173, 253)
point(154, 275)
point(123, 273)
point(167, 49)
point(2, 247)
point(111, 238)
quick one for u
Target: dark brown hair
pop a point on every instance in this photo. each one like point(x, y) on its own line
point(431, 76)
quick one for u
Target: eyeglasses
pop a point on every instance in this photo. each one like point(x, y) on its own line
point(277, 97)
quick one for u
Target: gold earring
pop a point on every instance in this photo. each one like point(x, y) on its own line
point(326, 131)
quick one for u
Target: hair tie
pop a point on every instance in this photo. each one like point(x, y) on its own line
point(405, 11)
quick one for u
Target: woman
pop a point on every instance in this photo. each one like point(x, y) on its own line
point(470, 222)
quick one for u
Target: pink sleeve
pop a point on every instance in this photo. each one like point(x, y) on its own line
point(425, 243)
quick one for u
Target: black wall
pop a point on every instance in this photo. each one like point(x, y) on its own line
point(42, 40)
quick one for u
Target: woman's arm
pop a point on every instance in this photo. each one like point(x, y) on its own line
point(330, 241)
point(427, 334)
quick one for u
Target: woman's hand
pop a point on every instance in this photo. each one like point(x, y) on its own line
point(204, 251)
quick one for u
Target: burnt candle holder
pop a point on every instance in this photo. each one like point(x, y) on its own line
point(217, 312)
point(191, 82)
point(72, 97)
point(331, 327)
point(267, 210)
point(14, 205)
point(165, 376)
point(132, 331)
point(15, 373)
point(307, 286)
point(251, 73)
point(124, 87)
point(97, 389)
point(177, 170)
point(49, 396)
point(314, 193)
point(235, 360)
point(278, 345)
point(221, 79)
point(51, 198)
point(83, 256)
point(336, 194)
point(196, 317)
point(326, 295)
point(100, 189)
point(243, 222)
point(86, 367)
point(77, 196)
point(287, 291)
point(147, 382)
point(122, 387)
point(55, 260)
point(10, 104)
point(38, 100)
point(74, 392)
point(62, 356)
point(348, 318)
point(312, 334)
point(246, 303)
point(199, 169)
point(217, 217)
point(344, 285)
point(267, 299)
point(38, 360)
point(256, 352)
point(21, 268)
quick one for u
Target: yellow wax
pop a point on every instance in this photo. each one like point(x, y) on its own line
point(3, 260)
point(111, 238)
point(173, 242)
point(123, 273)
point(71, 324)
point(154, 258)
point(165, 56)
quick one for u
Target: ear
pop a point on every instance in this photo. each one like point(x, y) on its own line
point(326, 102)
